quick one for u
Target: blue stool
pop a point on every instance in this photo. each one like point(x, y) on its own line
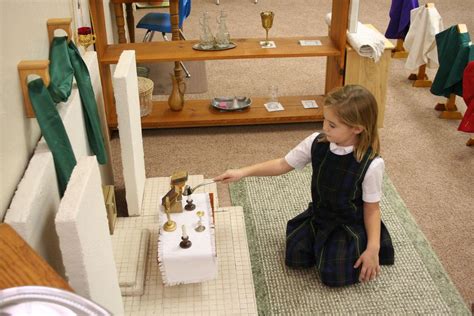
point(161, 22)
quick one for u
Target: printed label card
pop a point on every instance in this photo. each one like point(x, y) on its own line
point(309, 104)
point(310, 42)
point(274, 106)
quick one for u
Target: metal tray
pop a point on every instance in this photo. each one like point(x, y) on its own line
point(231, 103)
point(42, 300)
point(214, 48)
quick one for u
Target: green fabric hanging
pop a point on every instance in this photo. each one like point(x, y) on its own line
point(60, 70)
point(66, 61)
point(89, 105)
point(453, 55)
point(53, 132)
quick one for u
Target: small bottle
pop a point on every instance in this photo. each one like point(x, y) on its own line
point(222, 36)
point(206, 38)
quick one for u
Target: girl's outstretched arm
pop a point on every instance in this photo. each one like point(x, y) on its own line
point(370, 257)
point(268, 168)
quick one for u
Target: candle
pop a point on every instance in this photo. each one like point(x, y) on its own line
point(184, 231)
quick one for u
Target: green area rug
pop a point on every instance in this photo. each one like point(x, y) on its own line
point(416, 284)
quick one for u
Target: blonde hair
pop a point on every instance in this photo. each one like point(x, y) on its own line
point(355, 106)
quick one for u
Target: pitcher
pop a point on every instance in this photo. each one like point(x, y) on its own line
point(176, 98)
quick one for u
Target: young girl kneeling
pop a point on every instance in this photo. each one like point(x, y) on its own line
point(341, 232)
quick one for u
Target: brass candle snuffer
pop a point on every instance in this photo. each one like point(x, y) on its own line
point(267, 23)
point(172, 199)
point(188, 191)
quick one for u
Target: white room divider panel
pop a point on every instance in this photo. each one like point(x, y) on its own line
point(130, 130)
point(82, 227)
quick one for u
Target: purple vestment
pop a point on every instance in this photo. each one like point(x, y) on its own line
point(400, 18)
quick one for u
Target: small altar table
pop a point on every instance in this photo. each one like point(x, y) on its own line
point(197, 263)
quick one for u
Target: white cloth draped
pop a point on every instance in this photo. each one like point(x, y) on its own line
point(420, 42)
point(366, 41)
point(197, 263)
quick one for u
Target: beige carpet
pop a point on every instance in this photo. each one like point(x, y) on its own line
point(426, 157)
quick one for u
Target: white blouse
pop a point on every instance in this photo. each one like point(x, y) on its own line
point(300, 156)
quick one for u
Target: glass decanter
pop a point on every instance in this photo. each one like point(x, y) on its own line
point(222, 35)
point(206, 38)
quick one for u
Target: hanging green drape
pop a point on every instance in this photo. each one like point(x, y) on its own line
point(60, 70)
point(66, 61)
point(453, 54)
point(89, 104)
point(53, 132)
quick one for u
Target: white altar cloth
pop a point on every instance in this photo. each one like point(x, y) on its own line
point(197, 263)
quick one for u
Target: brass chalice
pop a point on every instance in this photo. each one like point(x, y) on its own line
point(267, 23)
point(84, 37)
point(200, 227)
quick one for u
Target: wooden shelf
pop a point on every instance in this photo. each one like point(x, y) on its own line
point(246, 48)
point(199, 113)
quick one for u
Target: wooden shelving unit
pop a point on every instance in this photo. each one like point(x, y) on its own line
point(198, 112)
point(247, 48)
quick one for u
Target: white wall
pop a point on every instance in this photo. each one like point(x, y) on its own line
point(23, 36)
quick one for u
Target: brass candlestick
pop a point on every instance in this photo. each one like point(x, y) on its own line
point(267, 23)
point(170, 225)
point(200, 227)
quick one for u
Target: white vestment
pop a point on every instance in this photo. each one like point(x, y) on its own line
point(425, 23)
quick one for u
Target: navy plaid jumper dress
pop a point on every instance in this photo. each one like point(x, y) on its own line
point(330, 234)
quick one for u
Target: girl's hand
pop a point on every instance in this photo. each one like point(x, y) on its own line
point(370, 265)
point(231, 175)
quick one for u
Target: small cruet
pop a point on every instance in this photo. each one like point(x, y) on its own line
point(222, 36)
point(206, 38)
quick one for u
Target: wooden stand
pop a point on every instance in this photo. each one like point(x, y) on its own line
point(399, 51)
point(372, 75)
point(31, 67)
point(421, 79)
point(20, 265)
point(63, 24)
point(197, 112)
point(449, 110)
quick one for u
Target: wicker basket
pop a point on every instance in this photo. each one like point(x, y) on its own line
point(145, 91)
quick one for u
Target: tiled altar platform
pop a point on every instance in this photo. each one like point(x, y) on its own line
point(232, 293)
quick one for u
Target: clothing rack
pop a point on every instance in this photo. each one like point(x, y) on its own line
point(421, 79)
point(449, 110)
